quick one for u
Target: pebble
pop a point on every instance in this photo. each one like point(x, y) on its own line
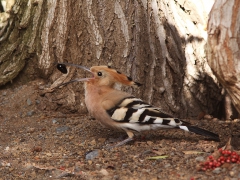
point(98, 166)
point(21, 114)
point(115, 177)
point(104, 172)
point(54, 121)
point(199, 158)
point(37, 101)
point(224, 169)
point(49, 154)
point(167, 165)
point(8, 164)
point(231, 173)
point(77, 169)
point(30, 113)
point(29, 102)
point(217, 170)
point(124, 165)
point(4, 93)
point(62, 129)
point(92, 154)
point(154, 163)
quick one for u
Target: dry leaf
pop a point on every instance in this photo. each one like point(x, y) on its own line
point(192, 152)
point(160, 153)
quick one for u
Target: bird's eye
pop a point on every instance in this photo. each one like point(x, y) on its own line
point(99, 73)
point(62, 68)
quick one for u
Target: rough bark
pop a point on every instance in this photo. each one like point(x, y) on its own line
point(223, 46)
point(158, 43)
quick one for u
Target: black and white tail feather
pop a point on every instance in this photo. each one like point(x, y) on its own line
point(135, 115)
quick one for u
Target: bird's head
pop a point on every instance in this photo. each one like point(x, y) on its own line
point(101, 75)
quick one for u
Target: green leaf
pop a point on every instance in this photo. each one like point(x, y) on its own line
point(157, 157)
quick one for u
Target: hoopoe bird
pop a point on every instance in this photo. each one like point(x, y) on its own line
point(121, 110)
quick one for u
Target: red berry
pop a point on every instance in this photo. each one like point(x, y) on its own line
point(233, 160)
point(228, 160)
point(227, 153)
point(210, 157)
point(204, 169)
point(218, 164)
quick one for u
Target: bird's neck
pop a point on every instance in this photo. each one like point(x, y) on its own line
point(91, 89)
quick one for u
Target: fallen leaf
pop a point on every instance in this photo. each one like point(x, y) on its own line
point(192, 152)
point(228, 145)
point(160, 153)
point(157, 157)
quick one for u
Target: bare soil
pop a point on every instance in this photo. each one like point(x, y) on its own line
point(40, 144)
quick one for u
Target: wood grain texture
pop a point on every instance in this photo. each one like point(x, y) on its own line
point(223, 46)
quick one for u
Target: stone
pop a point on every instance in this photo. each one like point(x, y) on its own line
point(92, 155)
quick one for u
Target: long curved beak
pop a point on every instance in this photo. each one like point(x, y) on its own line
point(75, 65)
point(62, 67)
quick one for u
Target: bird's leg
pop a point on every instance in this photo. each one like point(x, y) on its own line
point(124, 142)
point(130, 138)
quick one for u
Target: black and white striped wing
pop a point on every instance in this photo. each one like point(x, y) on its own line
point(134, 114)
point(134, 110)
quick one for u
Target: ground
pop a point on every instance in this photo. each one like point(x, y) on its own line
point(40, 144)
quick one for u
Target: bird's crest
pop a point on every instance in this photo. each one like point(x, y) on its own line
point(114, 75)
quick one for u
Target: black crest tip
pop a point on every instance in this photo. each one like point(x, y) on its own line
point(137, 83)
point(129, 78)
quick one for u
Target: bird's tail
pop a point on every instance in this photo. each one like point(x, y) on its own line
point(200, 131)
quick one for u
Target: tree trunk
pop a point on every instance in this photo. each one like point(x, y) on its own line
point(158, 43)
point(223, 46)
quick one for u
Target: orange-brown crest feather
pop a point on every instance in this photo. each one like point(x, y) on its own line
point(115, 75)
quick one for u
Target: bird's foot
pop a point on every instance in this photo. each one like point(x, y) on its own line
point(120, 143)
